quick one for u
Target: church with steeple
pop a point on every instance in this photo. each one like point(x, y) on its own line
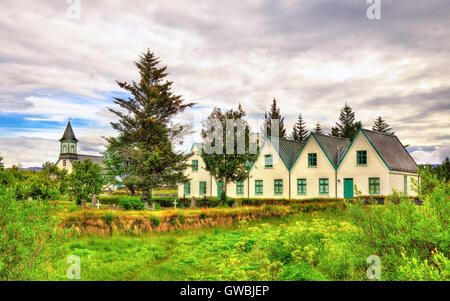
point(68, 151)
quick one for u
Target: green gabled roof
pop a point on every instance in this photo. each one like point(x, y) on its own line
point(68, 135)
point(333, 147)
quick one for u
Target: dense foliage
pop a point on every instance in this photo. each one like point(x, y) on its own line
point(442, 171)
point(47, 184)
point(408, 236)
point(86, 180)
point(29, 237)
point(227, 164)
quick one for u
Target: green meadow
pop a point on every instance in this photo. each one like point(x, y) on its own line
point(319, 245)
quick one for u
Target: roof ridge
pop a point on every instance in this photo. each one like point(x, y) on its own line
point(372, 131)
point(90, 155)
point(330, 136)
point(285, 139)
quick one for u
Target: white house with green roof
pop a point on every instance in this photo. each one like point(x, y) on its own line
point(321, 167)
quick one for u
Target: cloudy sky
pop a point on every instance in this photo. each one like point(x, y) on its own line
point(312, 55)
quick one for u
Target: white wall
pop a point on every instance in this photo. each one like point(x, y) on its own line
point(375, 168)
point(268, 175)
point(197, 176)
point(312, 175)
point(397, 182)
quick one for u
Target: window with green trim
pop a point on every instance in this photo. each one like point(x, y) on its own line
point(405, 184)
point(361, 157)
point(301, 186)
point(323, 186)
point(258, 187)
point(312, 160)
point(240, 187)
point(187, 188)
point(268, 161)
point(374, 185)
point(202, 188)
point(278, 186)
point(194, 165)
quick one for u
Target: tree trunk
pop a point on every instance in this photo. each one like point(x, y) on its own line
point(144, 196)
point(132, 190)
point(224, 189)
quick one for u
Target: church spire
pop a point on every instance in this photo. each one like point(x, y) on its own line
point(68, 135)
point(68, 142)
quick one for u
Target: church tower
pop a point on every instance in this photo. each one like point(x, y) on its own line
point(68, 142)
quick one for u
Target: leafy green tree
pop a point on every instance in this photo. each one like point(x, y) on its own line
point(299, 132)
point(59, 178)
point(145, 126)
point(442, 171)
point(2, 165)
point(347, 126)
point(29, 237)
point(119, 168)
point(318, 129)
point(274, 114)
point(86, 180)
point(227, 166)
point(382, 127)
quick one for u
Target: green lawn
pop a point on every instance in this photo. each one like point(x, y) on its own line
point(310, 246)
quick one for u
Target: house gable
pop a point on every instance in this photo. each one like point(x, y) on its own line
point(362, 143)
point(268, 149)
point(312, 145)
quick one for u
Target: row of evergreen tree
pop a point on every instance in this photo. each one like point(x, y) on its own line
point(345, 128)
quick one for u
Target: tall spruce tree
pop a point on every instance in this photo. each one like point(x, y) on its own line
point(318, 129)
point(224, 165)
point(2, 165)
point(274, 114)
point(382, 127)
point(143, 126)
point(347, 126)
point(299, 132)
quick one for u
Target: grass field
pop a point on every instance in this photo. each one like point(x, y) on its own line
point(310, 246)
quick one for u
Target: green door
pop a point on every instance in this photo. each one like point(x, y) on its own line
point(348, 188)
point(219, 192)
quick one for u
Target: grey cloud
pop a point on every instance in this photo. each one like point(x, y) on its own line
point(220, 53)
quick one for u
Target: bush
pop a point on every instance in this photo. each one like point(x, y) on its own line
point(108, 199)
point(400, 226)
point(131, 203)
point(29, 237)
point(155, 220)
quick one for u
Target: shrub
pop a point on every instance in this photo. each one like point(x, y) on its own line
point(109, 218)
point(29, 237)
point(155, 220)
point(131, 203)
point(108, 199)
point(402, 226)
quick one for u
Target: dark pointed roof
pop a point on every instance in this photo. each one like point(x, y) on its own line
point(288, 149)
point(69, 135)
point(334, 147)
point(392, 151)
